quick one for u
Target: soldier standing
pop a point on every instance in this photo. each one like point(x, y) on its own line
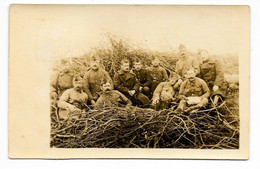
point(73, 101)
point(111, 98)
point(212, 73)
point(157, 74)
point(93, 79)
point(62, 81)
point(194, 92)
point(143, 77)
point(186, 62)
point(126, 83)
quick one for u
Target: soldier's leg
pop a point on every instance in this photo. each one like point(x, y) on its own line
point(202, 103)
point(143, 99)
point(164, 105)
point(155, 106)
point(147, 92)
point(181, 106)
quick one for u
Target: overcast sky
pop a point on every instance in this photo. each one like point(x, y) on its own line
point(74, 30)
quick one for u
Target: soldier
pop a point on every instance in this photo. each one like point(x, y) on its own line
point(164, 94)
point(110, 98)
point(186, 62)
point(73, 101)
point(194, 92)
point(93, 78)
point(211, 71)
point(126, 83)
point(62, 81)
point(157, 74)
point(143, 77)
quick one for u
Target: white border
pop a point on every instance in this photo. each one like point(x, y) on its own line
point(253, 162)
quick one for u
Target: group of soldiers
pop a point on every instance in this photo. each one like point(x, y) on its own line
point(190, 87)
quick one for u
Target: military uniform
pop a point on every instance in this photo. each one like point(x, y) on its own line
point(61, 82)
point(111, 99)
point(183, 65)
point(197, 88)
point(126, 81)
point(212, 73)
point(145, 80)
point(157, 75)
point(92, 81)
point(70, 98)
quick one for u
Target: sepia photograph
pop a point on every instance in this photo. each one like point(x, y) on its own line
point(134, 77)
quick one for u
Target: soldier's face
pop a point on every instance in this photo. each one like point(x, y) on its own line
point(78, 85)
point(204, 56)
point(155, 62)
point(66, 68)
point(106, 87)
point(138, 66)
point(125, 67)
point(95, 64)
point(191, 76)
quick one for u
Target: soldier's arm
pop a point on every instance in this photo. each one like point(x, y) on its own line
point(205, 89)
point(164, 74)
point(219, 74)
point(157, 91)
point(124, 99)
point(118, 84)
point(137, 84)
point(63, 102)
point(86, 86)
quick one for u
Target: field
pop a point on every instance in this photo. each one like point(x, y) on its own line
point(209, 128)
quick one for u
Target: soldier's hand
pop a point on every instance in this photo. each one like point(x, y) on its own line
point(155, 101)
point(182, 97)
point(54, 95)
point(141, 88)
point(131, 92)
point(92, 102)
point(215, 88)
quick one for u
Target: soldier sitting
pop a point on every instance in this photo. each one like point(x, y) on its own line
point(126, 83)
point(211, 71)
point(93, 78)
point(157, 74)
point(143, 77)
point(194, 92)
point(111, 98)
point(163, 95)
point(73, 101)
point(62, 81)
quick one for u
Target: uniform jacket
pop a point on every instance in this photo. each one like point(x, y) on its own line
point(197, 88)
point(164, 91)
point(92, 81)
point(113, 98)
point(157, 74)
point(62, 81)
point(183, 65)
point(143, 77)
point(125, 81)
point(212, 72)
point(73, 97)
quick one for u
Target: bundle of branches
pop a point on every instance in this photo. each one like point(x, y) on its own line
point(211, 128)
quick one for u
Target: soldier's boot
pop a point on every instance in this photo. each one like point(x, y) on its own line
point(181, 106)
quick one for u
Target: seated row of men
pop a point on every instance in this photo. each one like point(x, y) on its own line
point(142, 87)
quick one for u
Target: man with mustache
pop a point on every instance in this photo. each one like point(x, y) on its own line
point(62, 81)
point(157, 74)
point(212, 72)
point(111, 98)
point(73, 101)
point(194, 93)
point(126, 82)
point(93, 78)
point(186, 62)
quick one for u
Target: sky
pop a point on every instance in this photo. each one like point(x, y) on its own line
point(65, 31)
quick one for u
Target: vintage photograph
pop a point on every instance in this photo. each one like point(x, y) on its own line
point(129, 81)
point(174, 85)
